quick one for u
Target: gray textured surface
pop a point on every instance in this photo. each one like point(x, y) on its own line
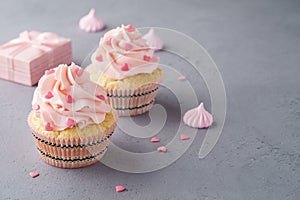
point(256, 45)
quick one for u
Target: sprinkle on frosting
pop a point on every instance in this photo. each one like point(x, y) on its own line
point(123, 45)
point(35, 106)
point(48, 127)
point(124, 67)
point(72, 99)
point(162, 149)
point(90, 22)
point(99, 58)
point(101, 97)
point(50, 71)
point(49, 95)
point(153, 40)
point(198, 117)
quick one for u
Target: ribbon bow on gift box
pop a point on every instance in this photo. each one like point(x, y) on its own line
point(45, 42)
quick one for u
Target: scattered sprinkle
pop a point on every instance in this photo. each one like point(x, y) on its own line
point(162, 149)
point(181, 78)
point(184, 137)
point(49, 95)
point(124, 67)
point(120, 188)
point(155, 139)
point(34, 174)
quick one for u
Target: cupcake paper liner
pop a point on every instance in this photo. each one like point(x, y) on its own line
point(74, 152)
point(129, 102)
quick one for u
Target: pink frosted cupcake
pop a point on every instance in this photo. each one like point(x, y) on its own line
point(71, 120)
point(127, 68)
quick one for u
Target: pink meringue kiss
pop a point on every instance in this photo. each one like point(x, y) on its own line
point(153, 40)
point(198, 117)
point(162, 149)
point(90, 22)
point(34, 174)
point(120, 188)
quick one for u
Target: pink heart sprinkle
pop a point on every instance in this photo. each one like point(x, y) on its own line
point(78, 71)
point(184, 137)
point(49, 95)
point(181, 78)
point(108, 42)
point(124, 67)
point(130, 28)
point(50, 71)
point(147, 58)
point(99, 58)
point(70, 99)
point(48, 127)
point(155, 139)
point(128, 47)
point(35, 106)
point(162, 149)
point(101, 97)
point(120, 188)
point(34, 174)
point(70, 123)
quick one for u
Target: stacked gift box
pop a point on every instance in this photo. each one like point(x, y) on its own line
point(25, 59)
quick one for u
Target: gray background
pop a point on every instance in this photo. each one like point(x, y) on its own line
point(256, 45)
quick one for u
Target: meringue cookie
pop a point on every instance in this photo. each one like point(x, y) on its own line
point(90, 22)
point(153, 40)
point(198, 117)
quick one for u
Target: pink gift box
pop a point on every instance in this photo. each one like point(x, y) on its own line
point(25, 59)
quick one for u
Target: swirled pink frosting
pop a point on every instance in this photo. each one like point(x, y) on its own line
point(123, 52)
point(66, 97)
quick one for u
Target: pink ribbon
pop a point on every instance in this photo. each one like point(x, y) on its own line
point(42, 41)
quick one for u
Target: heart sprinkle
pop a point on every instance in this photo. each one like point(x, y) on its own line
point(78, 71)
point(70, 123)
point(120, 188)
point(49, 95)
point(99, 58)
point(124, 67)
point(155, 139)
point(181, 78)
point(130, 28)
point(35, 106)
point(184, 137)
point(162, 149)
point(147, 58)
point(50, 71)
point(69, 99)
point(128, 47)
point(101, 97)
point(48, 127)
point(34, 174)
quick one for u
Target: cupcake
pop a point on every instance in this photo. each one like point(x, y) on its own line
point(127, 68)
point(71, 120)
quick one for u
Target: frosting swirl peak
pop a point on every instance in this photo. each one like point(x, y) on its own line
point(123, 52)
point(66, 97)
